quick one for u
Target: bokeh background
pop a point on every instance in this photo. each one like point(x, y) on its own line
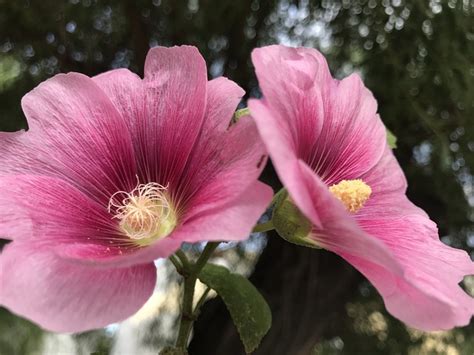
point(416, 56)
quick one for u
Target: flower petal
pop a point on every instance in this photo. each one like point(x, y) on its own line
point(13, 225)
point(399, 252)
point(388, 184)
point(353, 136)
point(288, 78)
point(52, 210)
point(94, 255)
point(232, 222)
point(65, 297)
point(75, 134)
point(224, 159)
point(222, 167)
point(331, 125)
point(339, 232)
point(175, 84)
point(127, 92)
point(282, 151)
point(427, 296)
point(387, 176)
point(223, 96)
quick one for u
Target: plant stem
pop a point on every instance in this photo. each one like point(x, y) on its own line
point(183, 258)
point(187, 317)
point(190, 276)
point(201, 301)
point(263, 227)
point(177, 264)
point(205, 255)
point(190, 272)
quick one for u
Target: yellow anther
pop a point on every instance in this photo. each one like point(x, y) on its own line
point(352, 193)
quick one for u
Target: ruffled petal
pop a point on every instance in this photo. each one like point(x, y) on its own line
point(75, 134)
point(427, 296)
point(65, 297)
point(331, 125)
point(288, 78)
point(175, 85)
point(223, 96)
point(233, 221)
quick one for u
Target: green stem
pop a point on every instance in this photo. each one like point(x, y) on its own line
point(187, 316)
point(177, 264)
point(205, 255)
point(263, 227)
point(190, 276)
point(190, 272)
point(184, 259)
point(201, 301)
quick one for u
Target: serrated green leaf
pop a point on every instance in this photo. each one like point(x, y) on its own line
point(391, 139)
point(247, 307)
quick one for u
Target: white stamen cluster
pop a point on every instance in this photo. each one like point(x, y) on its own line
point(144, 212)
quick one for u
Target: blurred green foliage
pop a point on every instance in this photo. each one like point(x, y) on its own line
point(416, 56)
point(18, 336)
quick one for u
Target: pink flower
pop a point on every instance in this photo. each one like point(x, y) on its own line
point(329, 148)
point(114, 173)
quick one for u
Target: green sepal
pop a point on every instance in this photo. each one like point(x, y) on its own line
point(290, 223)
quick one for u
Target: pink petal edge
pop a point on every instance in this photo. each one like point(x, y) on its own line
point(65, 297)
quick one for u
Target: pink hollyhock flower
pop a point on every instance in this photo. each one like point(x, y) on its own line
point(115, 172)
point(329, 148)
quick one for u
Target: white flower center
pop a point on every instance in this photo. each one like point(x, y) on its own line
point(145, 213)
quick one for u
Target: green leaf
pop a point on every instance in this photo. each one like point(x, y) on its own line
point(248, 309)
point(391, 139)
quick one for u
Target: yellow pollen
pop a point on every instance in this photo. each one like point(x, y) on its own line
point(352, 193)
point(145, 214)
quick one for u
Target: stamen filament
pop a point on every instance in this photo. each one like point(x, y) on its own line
point(144, 213)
